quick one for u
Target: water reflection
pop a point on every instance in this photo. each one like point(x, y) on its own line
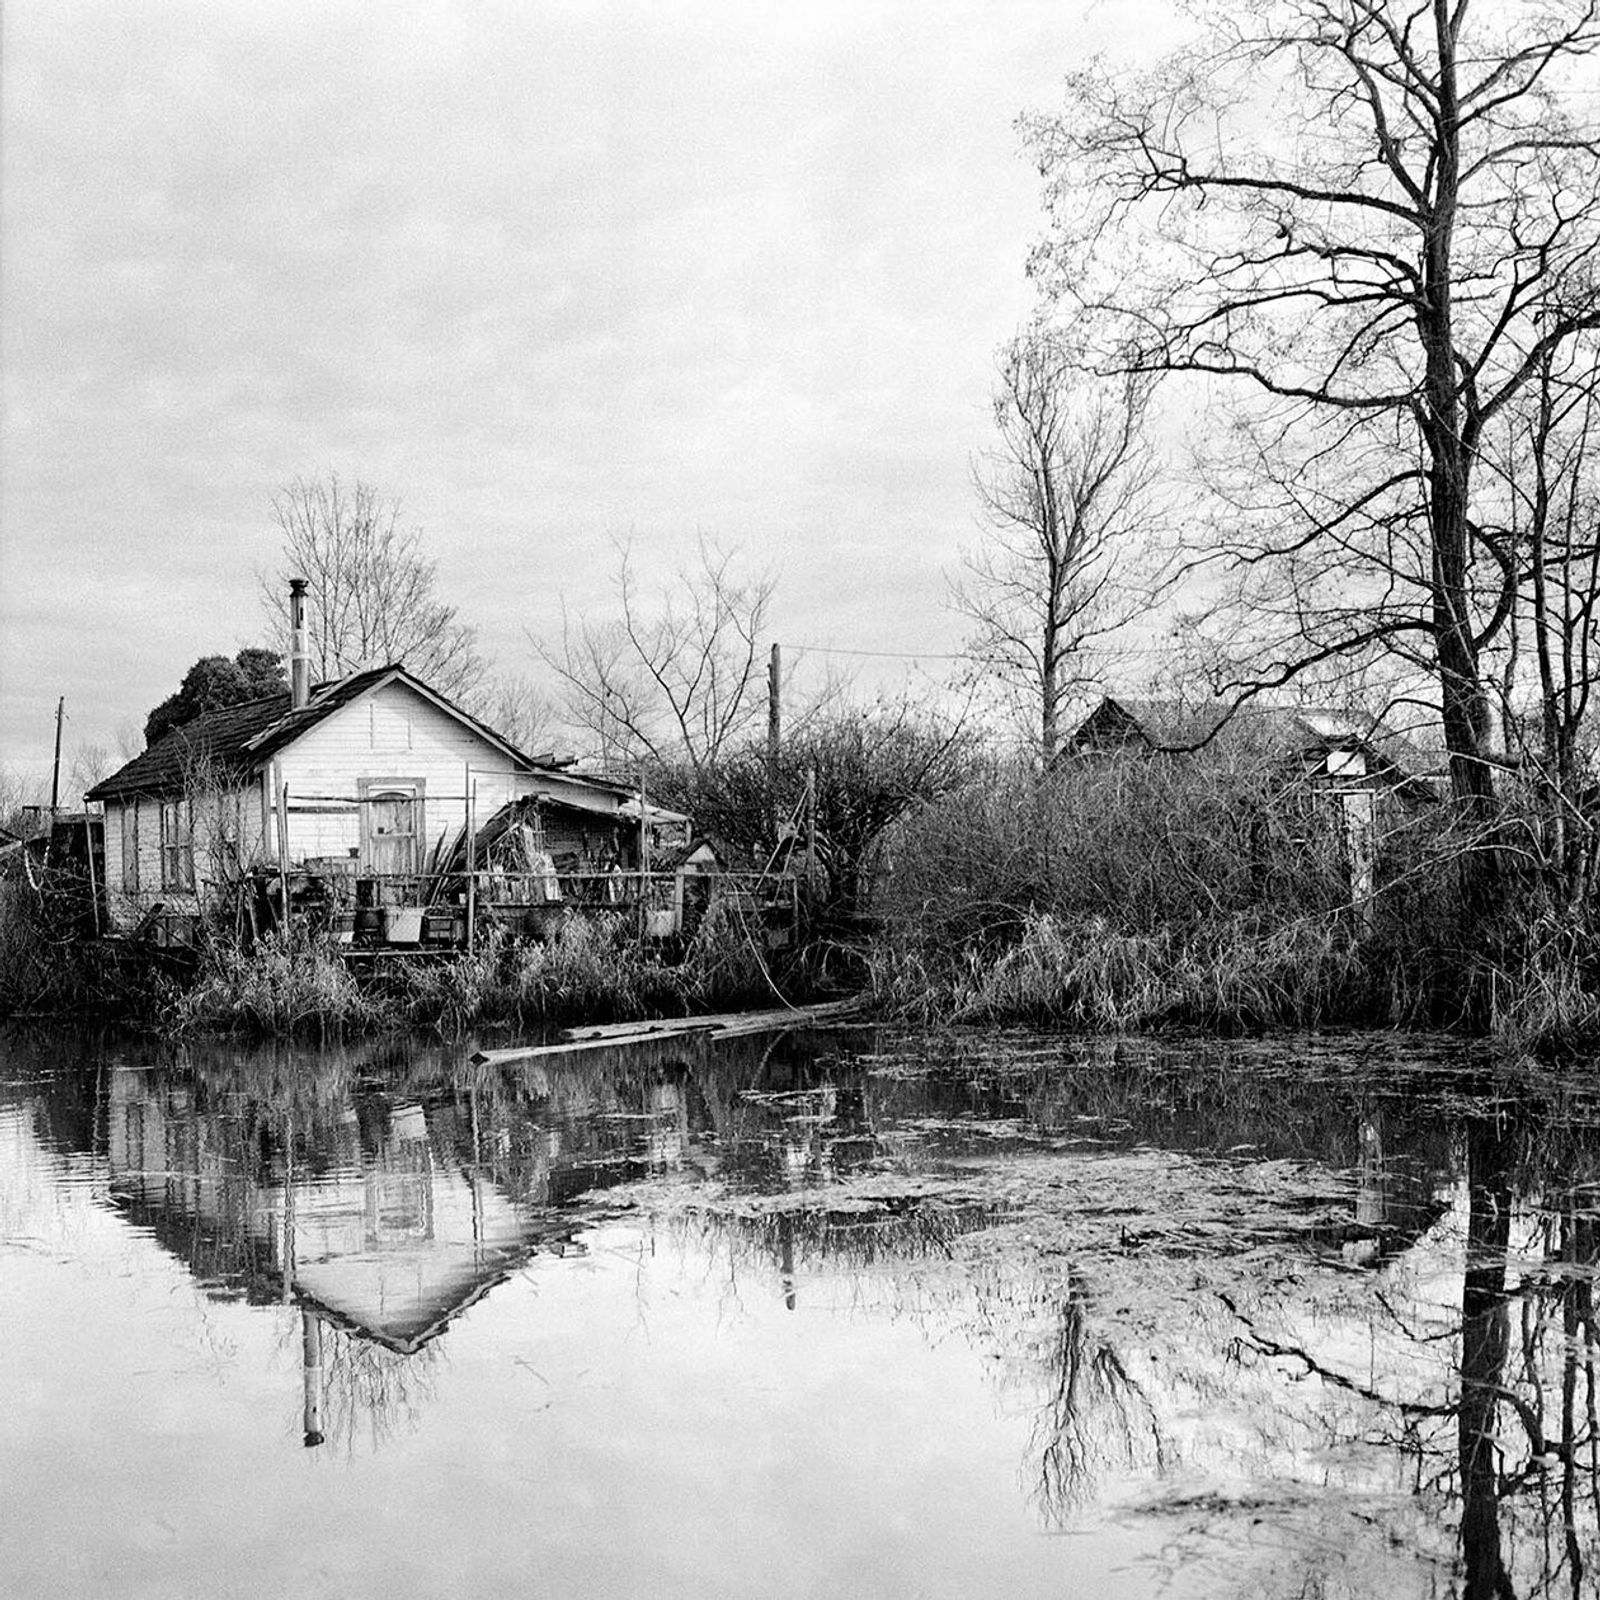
point(1288, 1303)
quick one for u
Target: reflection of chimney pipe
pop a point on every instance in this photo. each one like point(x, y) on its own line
point(299, 647)
point(311, 1363)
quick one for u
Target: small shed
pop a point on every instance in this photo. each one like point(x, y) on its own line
point(1333, 757)
point(1318, 742)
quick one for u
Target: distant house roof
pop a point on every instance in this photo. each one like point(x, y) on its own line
point(236, 740)
point(1120, 721)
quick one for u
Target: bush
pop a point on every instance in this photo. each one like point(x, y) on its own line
point(590, 970)
point(45, 963)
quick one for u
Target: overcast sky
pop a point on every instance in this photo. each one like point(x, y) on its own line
point(546, 271)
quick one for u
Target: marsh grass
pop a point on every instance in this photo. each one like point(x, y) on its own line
point(1204, 890)
point(283, 986)
point(1543, 981)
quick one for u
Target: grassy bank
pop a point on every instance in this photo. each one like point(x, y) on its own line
point(586, 971)
point(1212, 891)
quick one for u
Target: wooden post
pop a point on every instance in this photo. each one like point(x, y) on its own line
point(94, 892)
point(283, 851)
point(644, 863)
point(472, 862)
point(311, 1376)
point(811, 828)
point(288, 1235)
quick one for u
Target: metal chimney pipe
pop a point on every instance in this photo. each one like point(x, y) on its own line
point(299, 646)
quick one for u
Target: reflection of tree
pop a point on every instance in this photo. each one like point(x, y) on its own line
point(369, 1393)
point(1090, 1414)
point(1094, 1413)
point(1521, 1457)
point(1485, 1335)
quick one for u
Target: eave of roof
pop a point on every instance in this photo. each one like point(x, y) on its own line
point(240, 739)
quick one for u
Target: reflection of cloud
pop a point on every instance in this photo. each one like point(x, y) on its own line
point(1104, 1290)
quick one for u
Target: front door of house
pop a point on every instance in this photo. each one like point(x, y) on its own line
point(391, 827)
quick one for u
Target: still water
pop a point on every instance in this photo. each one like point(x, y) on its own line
point(846, 1314)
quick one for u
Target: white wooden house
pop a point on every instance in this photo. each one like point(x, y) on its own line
point(370, 775)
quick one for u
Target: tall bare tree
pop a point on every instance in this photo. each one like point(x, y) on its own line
point(1362, 225)
point(374, 595)
point(1067, 494)
point(675, 675)
point(1548, 461)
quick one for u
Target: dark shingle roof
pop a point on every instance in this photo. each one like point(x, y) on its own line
point(214, 740)
point(233, 742)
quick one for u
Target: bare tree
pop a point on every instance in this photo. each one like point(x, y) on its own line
point(1362, 225)
point(373, 594)
point(91, 761)
point(1549, 463)
point(1068, 497)
point(674, 677)
point(517, 709)
point(21, 802)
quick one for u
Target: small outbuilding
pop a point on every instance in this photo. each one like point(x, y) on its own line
point(1336, 745)
point(1337, 762)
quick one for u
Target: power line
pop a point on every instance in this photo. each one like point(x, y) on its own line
point(888, 655)
point(939, 655)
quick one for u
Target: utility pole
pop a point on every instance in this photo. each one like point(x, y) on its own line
point(55, 772)
point(774, 733)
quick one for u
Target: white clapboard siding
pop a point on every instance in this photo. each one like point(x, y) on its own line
point(228, 834)
point(393, 735)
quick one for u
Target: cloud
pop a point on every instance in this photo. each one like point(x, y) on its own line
point(544, 271)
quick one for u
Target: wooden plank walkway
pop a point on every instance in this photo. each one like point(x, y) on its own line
point(725, 1025)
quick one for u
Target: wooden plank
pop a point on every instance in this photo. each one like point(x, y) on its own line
point(787, 1016)
point(495, 1058)
point(727, 1025)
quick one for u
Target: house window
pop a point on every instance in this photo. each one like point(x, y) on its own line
point(177, 845)
point(130, 847)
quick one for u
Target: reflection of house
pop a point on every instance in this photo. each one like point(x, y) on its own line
point(389, 1235)
point(372, 775)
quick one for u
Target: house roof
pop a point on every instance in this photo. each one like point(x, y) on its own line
point(215, 739)
point(235, 740)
